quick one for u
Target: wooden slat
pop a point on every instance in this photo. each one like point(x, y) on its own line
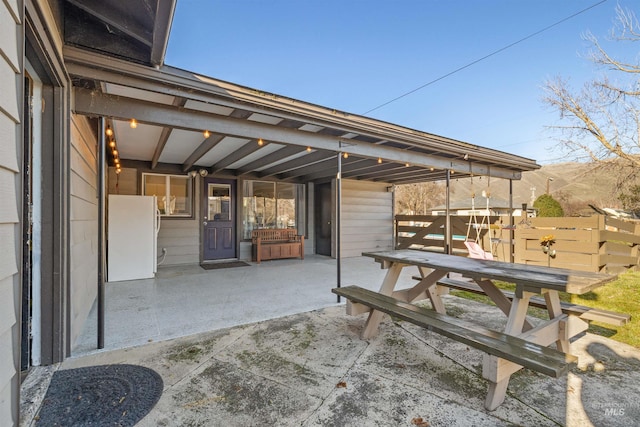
point(584, 312)
point(530, 355)
point(572, 281)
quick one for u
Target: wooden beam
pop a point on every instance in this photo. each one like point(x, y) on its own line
point(162, 141)
point(164, 136)
point(249, 148)
point(309, 159)
point(282, 153)
point(204, 148)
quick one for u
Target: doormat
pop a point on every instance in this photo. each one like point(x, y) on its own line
point(217, 265)
point(119, 395)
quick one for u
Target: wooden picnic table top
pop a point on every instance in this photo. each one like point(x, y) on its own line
point(530, 276)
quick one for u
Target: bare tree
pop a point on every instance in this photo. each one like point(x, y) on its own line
point(417, 199)
point(602, 121)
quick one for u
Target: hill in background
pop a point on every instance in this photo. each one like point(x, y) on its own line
point(575, 185)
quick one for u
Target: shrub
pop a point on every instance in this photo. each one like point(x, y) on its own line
point(547, 206)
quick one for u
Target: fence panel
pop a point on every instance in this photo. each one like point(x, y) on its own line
point(598, 243)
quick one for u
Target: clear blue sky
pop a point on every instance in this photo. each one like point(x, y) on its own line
point(354, 55)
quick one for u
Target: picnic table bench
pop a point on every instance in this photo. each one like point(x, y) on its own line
point(276, 243)
point(582, 311)
point(520, 344)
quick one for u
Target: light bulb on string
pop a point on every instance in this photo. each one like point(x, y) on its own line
point(133, 123)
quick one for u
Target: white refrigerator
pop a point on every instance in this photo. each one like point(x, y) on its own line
point(133, 225)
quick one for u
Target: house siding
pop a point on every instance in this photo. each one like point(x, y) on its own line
point(83, 223)
point(180, 237)
point(366, 218)
point(11, 18)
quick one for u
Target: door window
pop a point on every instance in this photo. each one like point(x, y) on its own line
point(219, 202)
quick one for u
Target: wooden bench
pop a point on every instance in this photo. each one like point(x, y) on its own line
point(515, 349)
point(584, 312)
point(276, 243)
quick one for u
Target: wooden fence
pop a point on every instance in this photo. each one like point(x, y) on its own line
point(598, 243)
point(427, 232)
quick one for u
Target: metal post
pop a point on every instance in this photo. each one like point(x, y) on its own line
point(338, 224)
point(447, 232)
point(512, 234)
point(101, 227)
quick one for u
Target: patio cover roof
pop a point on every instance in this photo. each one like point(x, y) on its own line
point(300, 141)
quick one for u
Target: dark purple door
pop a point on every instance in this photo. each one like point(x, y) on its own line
point(218, 219)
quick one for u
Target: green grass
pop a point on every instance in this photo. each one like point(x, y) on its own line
point(621, 295)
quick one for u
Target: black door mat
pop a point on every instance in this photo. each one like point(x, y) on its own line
point(229, 264)
point(107, 395)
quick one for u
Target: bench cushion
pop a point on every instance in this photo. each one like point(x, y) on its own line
point(525, 353)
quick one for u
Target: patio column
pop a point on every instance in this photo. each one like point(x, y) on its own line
point(338, 223)
point(447, 226)
point(101, 228)
point(512, 234)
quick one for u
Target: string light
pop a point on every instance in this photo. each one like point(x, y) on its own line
point(345, 155)
point(109, 131)
point(406, 164)
point(133, 123)
point(379, 160)
point(260, 142)
point(308, 149)
point(207, 134)
point(112, 143)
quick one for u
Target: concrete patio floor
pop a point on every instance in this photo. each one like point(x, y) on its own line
point(311, 368)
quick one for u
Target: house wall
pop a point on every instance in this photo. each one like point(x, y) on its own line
point(366, 218)
point(11, 42)
point(83, 223)
point(180, 237)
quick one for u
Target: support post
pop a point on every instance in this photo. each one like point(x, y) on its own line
point(512, 234)
point(447, 232)
point(101, 227)
point(338, 223)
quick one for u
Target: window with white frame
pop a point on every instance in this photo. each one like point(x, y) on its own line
point(174, 193)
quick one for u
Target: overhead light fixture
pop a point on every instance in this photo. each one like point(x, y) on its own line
point(260, 142)
point(207, 134)
point(203, 172)
point(133, 123)
point(109, 131)
point(466, 156)
point(193, 173)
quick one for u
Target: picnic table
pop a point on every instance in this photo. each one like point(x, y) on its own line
point(522, 343)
